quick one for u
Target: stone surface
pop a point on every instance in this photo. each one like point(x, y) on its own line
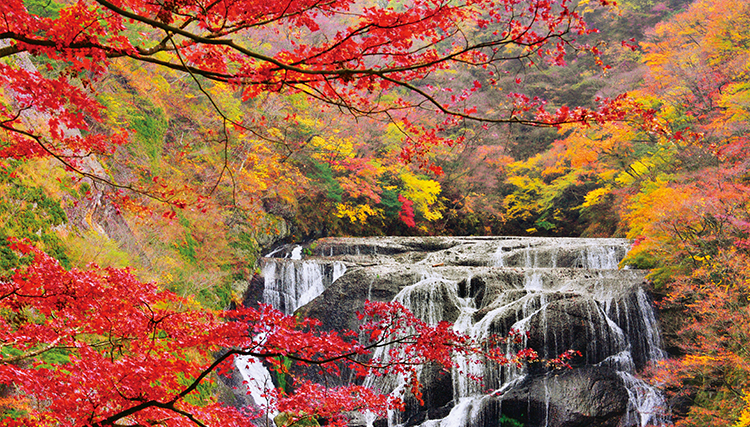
point(566, 294)
point(589, 396)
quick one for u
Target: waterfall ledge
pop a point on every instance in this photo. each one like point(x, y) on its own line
point(565, 293)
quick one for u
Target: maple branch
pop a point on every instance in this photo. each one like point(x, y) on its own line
point(80, 45)
point(188, 415)
point(331, 71)
point(10, 360)
point(513, 118)
point(170, 405)
point(112, 420)
point(284, 15)
point(140, 54)
point(159, 47)
point(213, 75)
point(225, 119)
point(362, 30)
point(204, 40)
point(8, 50)
point(338, 72)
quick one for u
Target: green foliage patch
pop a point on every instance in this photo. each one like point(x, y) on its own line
point(506, 421)
point(44, 8)
point(150, 126)
point(26, 212)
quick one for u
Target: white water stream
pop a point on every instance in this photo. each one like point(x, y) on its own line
point(528, 276)
point(289, 283)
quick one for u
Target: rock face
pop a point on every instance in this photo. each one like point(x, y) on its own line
point(565, 293)
point(587, 396)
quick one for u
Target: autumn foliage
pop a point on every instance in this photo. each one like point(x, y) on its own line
point(259, 121)
point(672, 175)
point(98, 347)
point(264, 71)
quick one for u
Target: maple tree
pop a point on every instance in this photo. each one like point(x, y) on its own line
point(98, 347)
point(380, 49)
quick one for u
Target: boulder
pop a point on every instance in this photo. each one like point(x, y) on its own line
point(586, 396)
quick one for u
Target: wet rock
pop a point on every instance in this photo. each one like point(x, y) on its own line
point(575, 323)
point(562, 294)
point(589, 396)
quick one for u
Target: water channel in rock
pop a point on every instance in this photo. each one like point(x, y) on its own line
point(565, 293)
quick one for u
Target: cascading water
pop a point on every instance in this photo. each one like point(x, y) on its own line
point(289, 283)
point(564, 293)
point(257, 380)
point(292, 283)
point(609, 343)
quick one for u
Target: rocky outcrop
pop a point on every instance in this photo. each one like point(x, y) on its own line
point(566, 294)
point(588, 396)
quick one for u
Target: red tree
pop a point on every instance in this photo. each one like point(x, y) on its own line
point(101, 348)
point(339, 52)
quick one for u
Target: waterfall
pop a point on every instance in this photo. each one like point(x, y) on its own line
point(257, 380)
point(563, 293)
point(292, 283)
point(289, 283)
